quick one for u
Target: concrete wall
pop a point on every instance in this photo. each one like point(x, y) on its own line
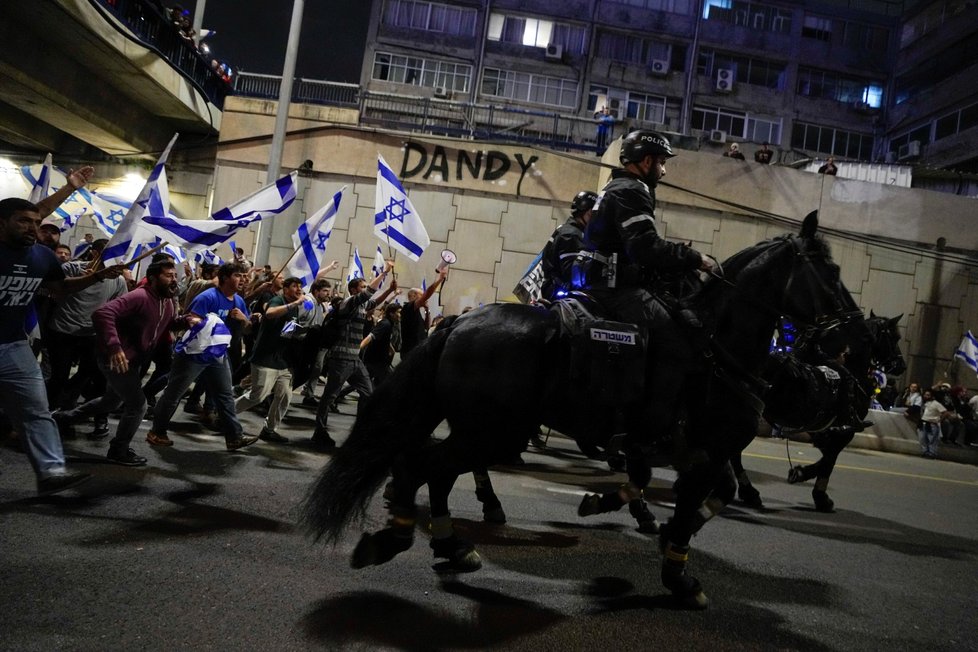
point(883, 237)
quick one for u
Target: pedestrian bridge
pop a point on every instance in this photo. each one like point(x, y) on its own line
point(112, 75)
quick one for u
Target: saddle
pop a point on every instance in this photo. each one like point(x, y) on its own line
point(607, 358)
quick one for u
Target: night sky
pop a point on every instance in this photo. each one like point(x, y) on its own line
point(251, 35)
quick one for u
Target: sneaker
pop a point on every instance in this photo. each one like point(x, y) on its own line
point(241, 442)
point(101, 430)
point(157, 440)
point(65, 427)
point(192, 408)
point(125, 457)
point(272, 436)
point(56, 483)
point(210, 420)
point(310, 402)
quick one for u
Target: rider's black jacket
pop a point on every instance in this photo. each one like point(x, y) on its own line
point(623, 222)
point(559, 254)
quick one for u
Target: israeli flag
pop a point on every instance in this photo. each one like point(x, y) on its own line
point(153, 199)
point(32, 325)
point(310, 241)
point(968, 351)
point(208, 256)
point(378, 266)
point(206, 342)
point(356, 267)
point(42, 184)
point(109, 212)
point(396, 222)
point(196, 235)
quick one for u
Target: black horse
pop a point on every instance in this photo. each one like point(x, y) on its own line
point(500, 371)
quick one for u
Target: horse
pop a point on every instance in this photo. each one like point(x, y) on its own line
point(500, 371)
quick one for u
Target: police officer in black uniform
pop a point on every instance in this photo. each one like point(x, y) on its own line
point(624, 258)
point(563, 246)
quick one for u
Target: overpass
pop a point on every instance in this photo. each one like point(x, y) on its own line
point(90, 78)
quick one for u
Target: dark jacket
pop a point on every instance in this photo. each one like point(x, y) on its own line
point(623, 222)
point(559, 254)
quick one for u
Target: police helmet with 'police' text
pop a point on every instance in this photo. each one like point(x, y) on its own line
point(583, 202)
point(641, 143)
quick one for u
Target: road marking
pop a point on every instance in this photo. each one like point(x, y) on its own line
point(917, 476)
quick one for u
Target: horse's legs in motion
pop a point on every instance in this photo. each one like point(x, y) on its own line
point(630, 493)
point(746, 491)
point(492, 509)
point(830, 443)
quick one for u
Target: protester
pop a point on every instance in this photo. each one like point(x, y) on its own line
point(734, 152)
point(415, 317)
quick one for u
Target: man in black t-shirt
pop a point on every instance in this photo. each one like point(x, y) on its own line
point(26, 266)
point(414, 315)
point(270, 373)
point(378, 348)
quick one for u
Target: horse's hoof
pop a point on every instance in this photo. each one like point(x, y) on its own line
point(644, 516)
point(379, 548)
point(750, 496)
point(685, 589)
point(796, 475)
point(696, 602)
point(590, 505)
point(461, 555)
point(616, 462)
point(494, 515)
point(823, 503)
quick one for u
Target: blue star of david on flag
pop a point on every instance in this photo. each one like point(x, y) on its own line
point(396, 221)
point(310, 241)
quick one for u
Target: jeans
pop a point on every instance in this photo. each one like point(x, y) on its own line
point(121, 389)
point(309, 389)
point(216, 374)
point(339, 372)
point(929, 434)
point(265, 381)
point(24, 399)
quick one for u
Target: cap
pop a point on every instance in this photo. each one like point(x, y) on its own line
point(53, 222)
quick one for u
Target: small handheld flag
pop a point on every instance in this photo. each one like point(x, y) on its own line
point(356, 267)
point(968, 351)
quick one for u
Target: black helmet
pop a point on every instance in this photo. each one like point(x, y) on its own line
point(583, 202)
point(642, 142)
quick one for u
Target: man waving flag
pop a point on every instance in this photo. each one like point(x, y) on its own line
point(310, 240)
point(396, 222)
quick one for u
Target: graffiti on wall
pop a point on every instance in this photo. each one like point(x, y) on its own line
point(435, 163)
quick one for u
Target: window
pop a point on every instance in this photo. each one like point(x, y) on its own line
point(832, 86)
point(750, 15)
point(710, 118)
point(646, 108)
point(632, 49)
point(430, 16)
point(525, 87)
point(828, 140)
point(817, 28)
point(535, 32)
point(764, 130)
point(416, 71)
point(757, 72)
point(684, 7)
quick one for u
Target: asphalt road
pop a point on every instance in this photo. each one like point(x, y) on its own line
point(198, 551)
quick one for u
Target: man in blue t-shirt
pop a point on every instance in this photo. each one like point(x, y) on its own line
point(25, 267)
point(225, 302)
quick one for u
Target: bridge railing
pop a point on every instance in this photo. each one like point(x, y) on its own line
point(156, 32)
point(433, 115)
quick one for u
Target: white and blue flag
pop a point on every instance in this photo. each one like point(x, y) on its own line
point(153, 199)
point(196, 235)
point(356, 267)
point(378, 266)
point(206, 342)
point(209, 257)
point(396, 222)
point(968, 351)
point(109, 211)
point(42, 184)
point(310, 241)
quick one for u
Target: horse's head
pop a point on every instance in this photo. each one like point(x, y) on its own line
point(886, 344)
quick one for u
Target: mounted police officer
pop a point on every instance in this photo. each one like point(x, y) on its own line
point(623, 260)
point(563, 246)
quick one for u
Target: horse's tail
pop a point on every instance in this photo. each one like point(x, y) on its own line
point(401, 414)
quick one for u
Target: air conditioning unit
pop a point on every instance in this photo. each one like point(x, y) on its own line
point(718, 136)
point(909, 151)
point(442, 92)
point(725, 80)
point(659, 67)
point(555, 52)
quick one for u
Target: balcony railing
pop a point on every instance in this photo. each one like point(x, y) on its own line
point(156, 32)
point(432, 115)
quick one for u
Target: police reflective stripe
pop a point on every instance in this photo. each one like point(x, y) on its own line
point(618, 337)
point(607, 260)
point(635, 220)
point(573, 254)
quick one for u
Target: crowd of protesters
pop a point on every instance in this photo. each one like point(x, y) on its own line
point(223, 338)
